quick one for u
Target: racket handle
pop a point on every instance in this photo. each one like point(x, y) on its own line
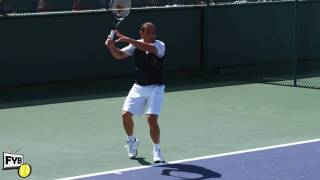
point(112, 33)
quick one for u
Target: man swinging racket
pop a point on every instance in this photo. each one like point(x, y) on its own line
point(146, 95)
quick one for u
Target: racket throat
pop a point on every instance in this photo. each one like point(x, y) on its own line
point(113, 32)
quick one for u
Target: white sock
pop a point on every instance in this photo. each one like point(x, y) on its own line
point(156, 146)
point(131, 138)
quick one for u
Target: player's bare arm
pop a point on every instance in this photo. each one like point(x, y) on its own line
point(143, 46)
point(116, 52)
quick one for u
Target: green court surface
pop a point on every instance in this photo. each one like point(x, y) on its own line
point(82, 133)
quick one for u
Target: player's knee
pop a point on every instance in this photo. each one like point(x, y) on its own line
point(126, 115)
point(152, 118)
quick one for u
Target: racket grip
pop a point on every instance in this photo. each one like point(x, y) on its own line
point(112, 33)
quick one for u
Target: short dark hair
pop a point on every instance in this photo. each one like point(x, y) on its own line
point(144, 25)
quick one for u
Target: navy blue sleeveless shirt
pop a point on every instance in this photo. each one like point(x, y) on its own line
point(149, 68)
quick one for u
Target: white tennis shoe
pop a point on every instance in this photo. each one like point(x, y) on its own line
point(132, 148)
point(157, 157)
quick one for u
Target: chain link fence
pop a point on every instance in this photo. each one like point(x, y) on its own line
point(303, 68)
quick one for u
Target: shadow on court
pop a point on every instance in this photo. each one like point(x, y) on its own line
point(188, 172)
point(142, 161)
point(70, 91)
point(182, 171)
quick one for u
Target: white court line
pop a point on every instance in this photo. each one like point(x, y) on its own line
point(120, 171)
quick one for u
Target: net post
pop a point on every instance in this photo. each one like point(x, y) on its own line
point(295, 44)
point(204, 39)
point(208, 3)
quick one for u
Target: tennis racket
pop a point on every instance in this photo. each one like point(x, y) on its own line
point(120, 9)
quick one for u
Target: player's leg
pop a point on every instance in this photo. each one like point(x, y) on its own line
point(128, 123)
point(154, 128)
point(155, 136)
point(133, 105)
point(154, 104)
point(132, 142)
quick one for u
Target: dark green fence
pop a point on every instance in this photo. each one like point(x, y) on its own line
point(276, 42)
point(68, 47)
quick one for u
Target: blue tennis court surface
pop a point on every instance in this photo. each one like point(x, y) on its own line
point(296, 161)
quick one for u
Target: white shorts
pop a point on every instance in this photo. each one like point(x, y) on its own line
point(144, 99)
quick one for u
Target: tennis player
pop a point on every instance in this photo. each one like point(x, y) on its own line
point(146, 94)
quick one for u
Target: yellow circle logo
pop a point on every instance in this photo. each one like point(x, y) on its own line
point(24, 170)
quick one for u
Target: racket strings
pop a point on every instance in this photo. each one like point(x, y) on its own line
point(120, 8)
